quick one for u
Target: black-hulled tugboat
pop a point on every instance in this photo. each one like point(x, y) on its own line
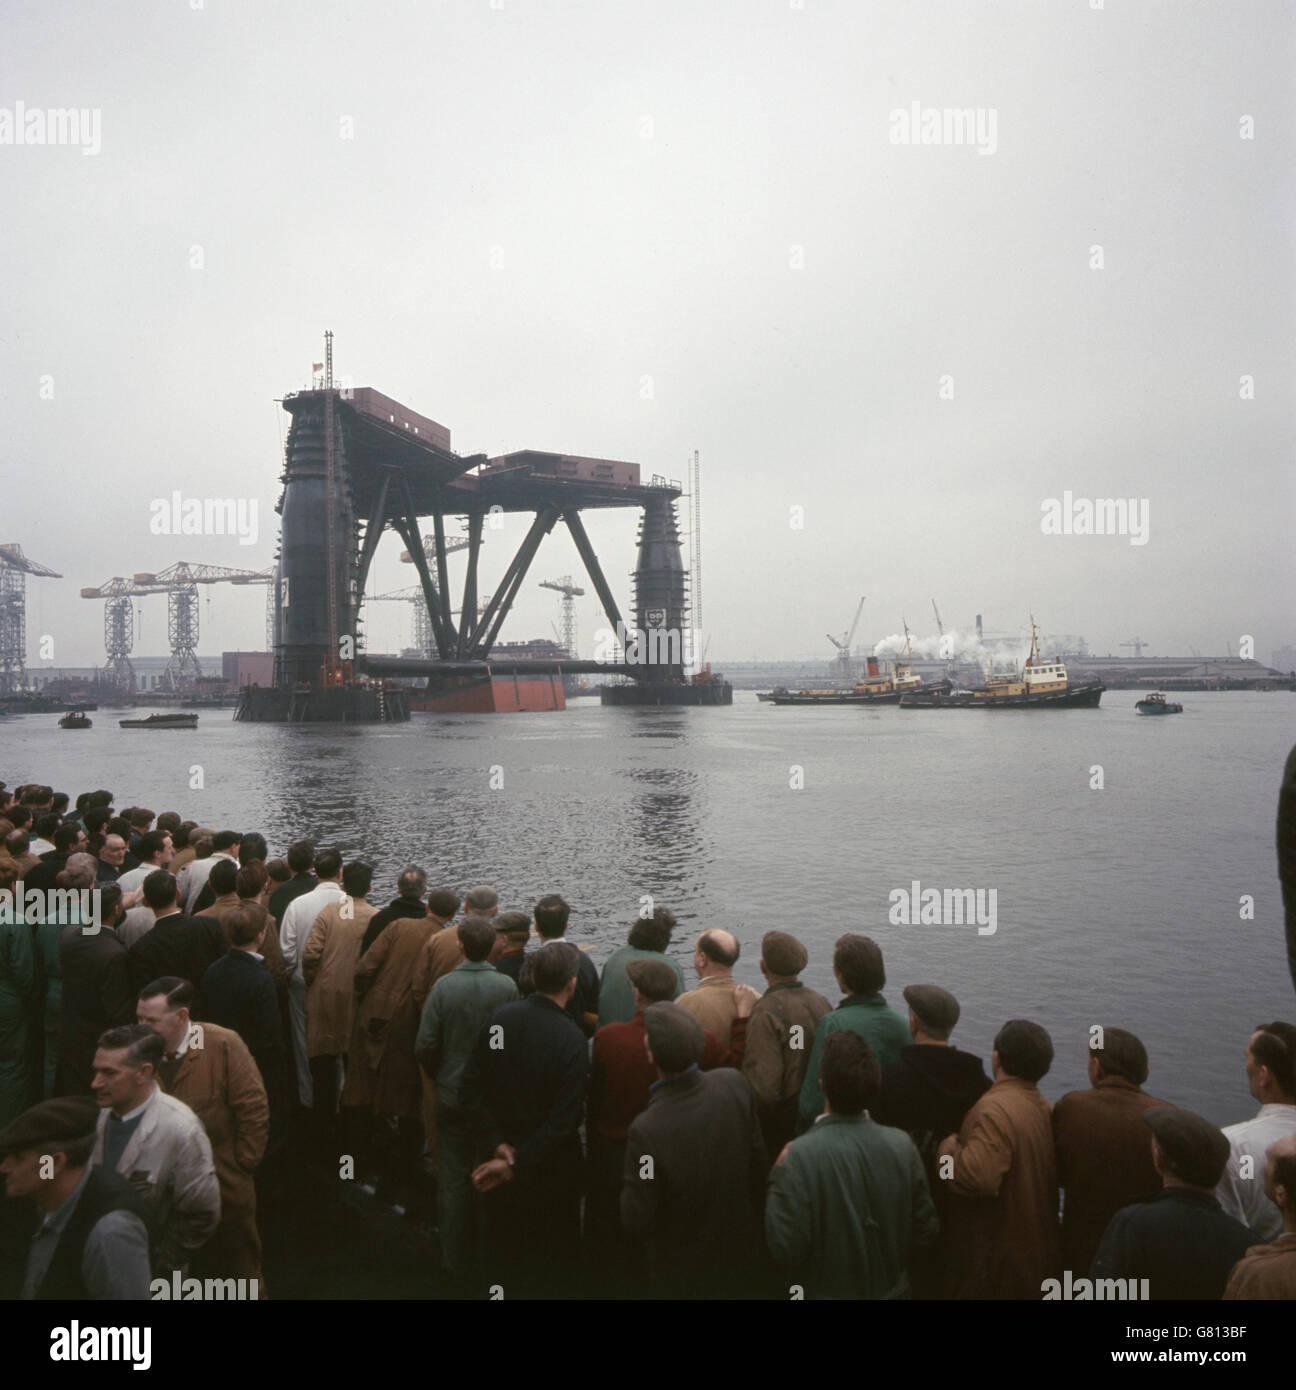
point(873, 689)
point(1156, 703)
point(75, 719)
point(1039, 685)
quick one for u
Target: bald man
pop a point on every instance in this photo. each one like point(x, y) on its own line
point(712, 1003)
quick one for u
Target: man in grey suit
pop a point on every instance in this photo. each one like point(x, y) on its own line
point(695, 1168)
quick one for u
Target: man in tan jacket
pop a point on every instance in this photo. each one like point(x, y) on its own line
point(712, 1002)
point(383, 1076)
point(1003, 1230)
point(210, 1069)
point(328, 967)
point(780, 1034)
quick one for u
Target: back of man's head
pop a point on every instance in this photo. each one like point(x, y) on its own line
point(357, 878)
point(244, 925)
point(1120, 1053)
point(554, 967)
point(224, 876)
point(251, 846)
point(858, 960)
point(675, 1038)
point(719, 947)
point(551, 914)
point(849, 1074)
point(412, 882)
point(1025, 1049)
point(477, 937)
point(160, 890)
point(328, 864)
point(652, 933)
point(483, 901)
point(301, 855)
point(442, 903)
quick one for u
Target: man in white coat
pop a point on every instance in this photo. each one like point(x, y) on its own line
point(298, 919)
point(156, 1142)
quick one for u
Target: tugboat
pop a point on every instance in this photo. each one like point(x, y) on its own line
point(76, 719)
point(1039, 685)
point(1156, 703)
point(161, 721)
point(874, 689)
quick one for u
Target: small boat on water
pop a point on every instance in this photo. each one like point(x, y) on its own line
point(1156, 703)
point(75, 719)
point(161, 721)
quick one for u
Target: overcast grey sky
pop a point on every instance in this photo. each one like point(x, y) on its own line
point(634, 229)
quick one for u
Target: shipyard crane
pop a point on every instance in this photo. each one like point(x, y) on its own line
point(844, 645)
point(1137, 643)
point(14, 569)
point(179, 582)
point(940, 626)
point(424, 639)
point(570, 593)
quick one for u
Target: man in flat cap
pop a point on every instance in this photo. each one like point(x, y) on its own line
point(1269, 1271)
point(92, 1239)
point(1104, 1158)
point(928, 1093)
point(1181, 1242)
point(694, 1168)
point(620, 1085)
point(780, 1036)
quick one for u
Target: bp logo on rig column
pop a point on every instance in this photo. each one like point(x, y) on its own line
point(655, 617)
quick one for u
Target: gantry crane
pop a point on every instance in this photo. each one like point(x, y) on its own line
point(180, 584)
point(1137, 643)
point(424, 639)
point(570, 593)
point(844, 644)
point(14, 569)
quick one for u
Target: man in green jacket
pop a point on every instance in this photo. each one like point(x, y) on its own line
point(649, 938)
point(847, 1203)
point(458, 1006)
point(857, 964)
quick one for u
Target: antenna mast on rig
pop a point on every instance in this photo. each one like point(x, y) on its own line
point(695, 541)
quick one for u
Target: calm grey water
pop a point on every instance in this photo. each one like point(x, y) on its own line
point(1117, 906)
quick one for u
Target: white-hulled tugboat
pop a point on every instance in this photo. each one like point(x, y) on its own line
point(1156, 703)
point(1039, 685)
